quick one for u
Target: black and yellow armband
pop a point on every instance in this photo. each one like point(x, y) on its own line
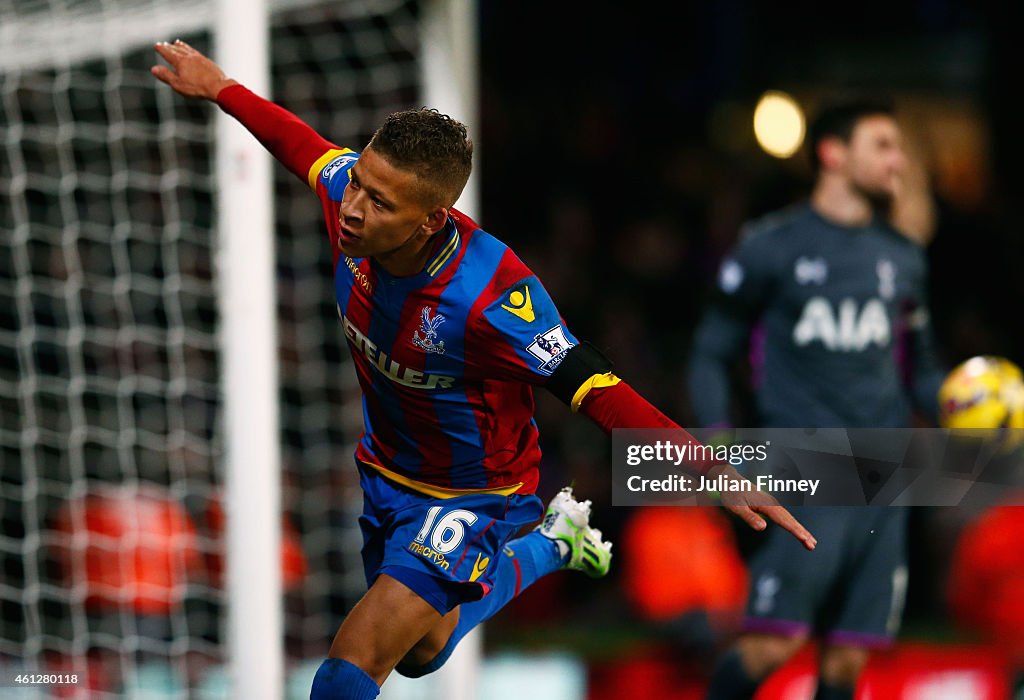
point(583, 368)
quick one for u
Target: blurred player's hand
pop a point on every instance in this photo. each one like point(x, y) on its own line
point(191, 73)
point(913, 208)
point(754, 506)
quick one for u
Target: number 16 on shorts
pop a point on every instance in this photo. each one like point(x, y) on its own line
point(448, 532)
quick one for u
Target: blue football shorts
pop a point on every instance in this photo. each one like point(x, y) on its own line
point(444, 549)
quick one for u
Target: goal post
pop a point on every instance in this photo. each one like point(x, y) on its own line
point(248, 312)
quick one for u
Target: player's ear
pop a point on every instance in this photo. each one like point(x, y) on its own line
point(831, 151)
point(436, 219)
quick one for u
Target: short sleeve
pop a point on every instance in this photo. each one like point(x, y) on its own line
point(330, 174)
point(526, 337)
point(746, 275)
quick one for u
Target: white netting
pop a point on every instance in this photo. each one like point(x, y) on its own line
point(110, 444)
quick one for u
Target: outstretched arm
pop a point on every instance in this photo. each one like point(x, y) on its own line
point(611, 403)
point(288, 138)
point(585, 382)
point(577, 373)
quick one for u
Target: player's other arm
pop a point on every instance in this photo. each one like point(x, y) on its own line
point(745, 281)
point(925, 372)
point(719, 340)
point(289, 139)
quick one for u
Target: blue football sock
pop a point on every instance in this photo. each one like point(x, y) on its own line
point(522, 562)
point(337, 679)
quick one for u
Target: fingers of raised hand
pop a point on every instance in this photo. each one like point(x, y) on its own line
point(183, 47)
point(163, 73)
point(174, 50)
point(170, 53)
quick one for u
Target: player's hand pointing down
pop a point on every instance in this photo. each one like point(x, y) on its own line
point(754, 506)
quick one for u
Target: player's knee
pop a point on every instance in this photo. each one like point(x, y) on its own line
point(433, 647)
point(425, 651)
point(842, 665)
point(338, 678)
point(421, 661)
point(430, 653)
point(763, 653)
point(412, 669)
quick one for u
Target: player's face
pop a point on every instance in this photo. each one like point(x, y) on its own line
point(875, 159)
point(383, 214)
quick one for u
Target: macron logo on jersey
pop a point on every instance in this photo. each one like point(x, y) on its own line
point(848, 328)
point(519, 304)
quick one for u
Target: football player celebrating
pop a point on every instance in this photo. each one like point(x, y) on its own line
point(449, 331)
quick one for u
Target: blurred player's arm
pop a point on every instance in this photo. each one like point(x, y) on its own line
point(745, 281)
point(913, 208)
point(925, 371)
point(721, 337)
point(289, 139)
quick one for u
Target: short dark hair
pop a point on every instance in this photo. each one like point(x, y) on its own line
point(433, 146)
point(838, 117)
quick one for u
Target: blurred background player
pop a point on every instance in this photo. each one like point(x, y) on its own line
point(448, 331)
point(837, 297)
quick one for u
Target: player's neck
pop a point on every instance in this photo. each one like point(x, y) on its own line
point(404, 263)
point(836, 201)
point(410, 259)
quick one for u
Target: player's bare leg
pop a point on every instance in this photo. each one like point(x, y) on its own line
point(388, 621)
point(434, 641)
point(393, 627)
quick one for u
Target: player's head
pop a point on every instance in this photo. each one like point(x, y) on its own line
point(402, 187)
point(431, 145)
point(858, 140)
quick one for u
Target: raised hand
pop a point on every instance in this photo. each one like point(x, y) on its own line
point(190, 73)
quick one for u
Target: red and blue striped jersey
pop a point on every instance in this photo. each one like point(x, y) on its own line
point(446, 358)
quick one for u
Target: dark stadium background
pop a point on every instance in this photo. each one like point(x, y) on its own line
point(617, 157)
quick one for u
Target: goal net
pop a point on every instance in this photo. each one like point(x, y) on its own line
point(111, 439)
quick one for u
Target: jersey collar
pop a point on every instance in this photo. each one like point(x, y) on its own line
point(444, 253)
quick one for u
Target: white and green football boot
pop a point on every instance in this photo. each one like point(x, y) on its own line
point(567, 522)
